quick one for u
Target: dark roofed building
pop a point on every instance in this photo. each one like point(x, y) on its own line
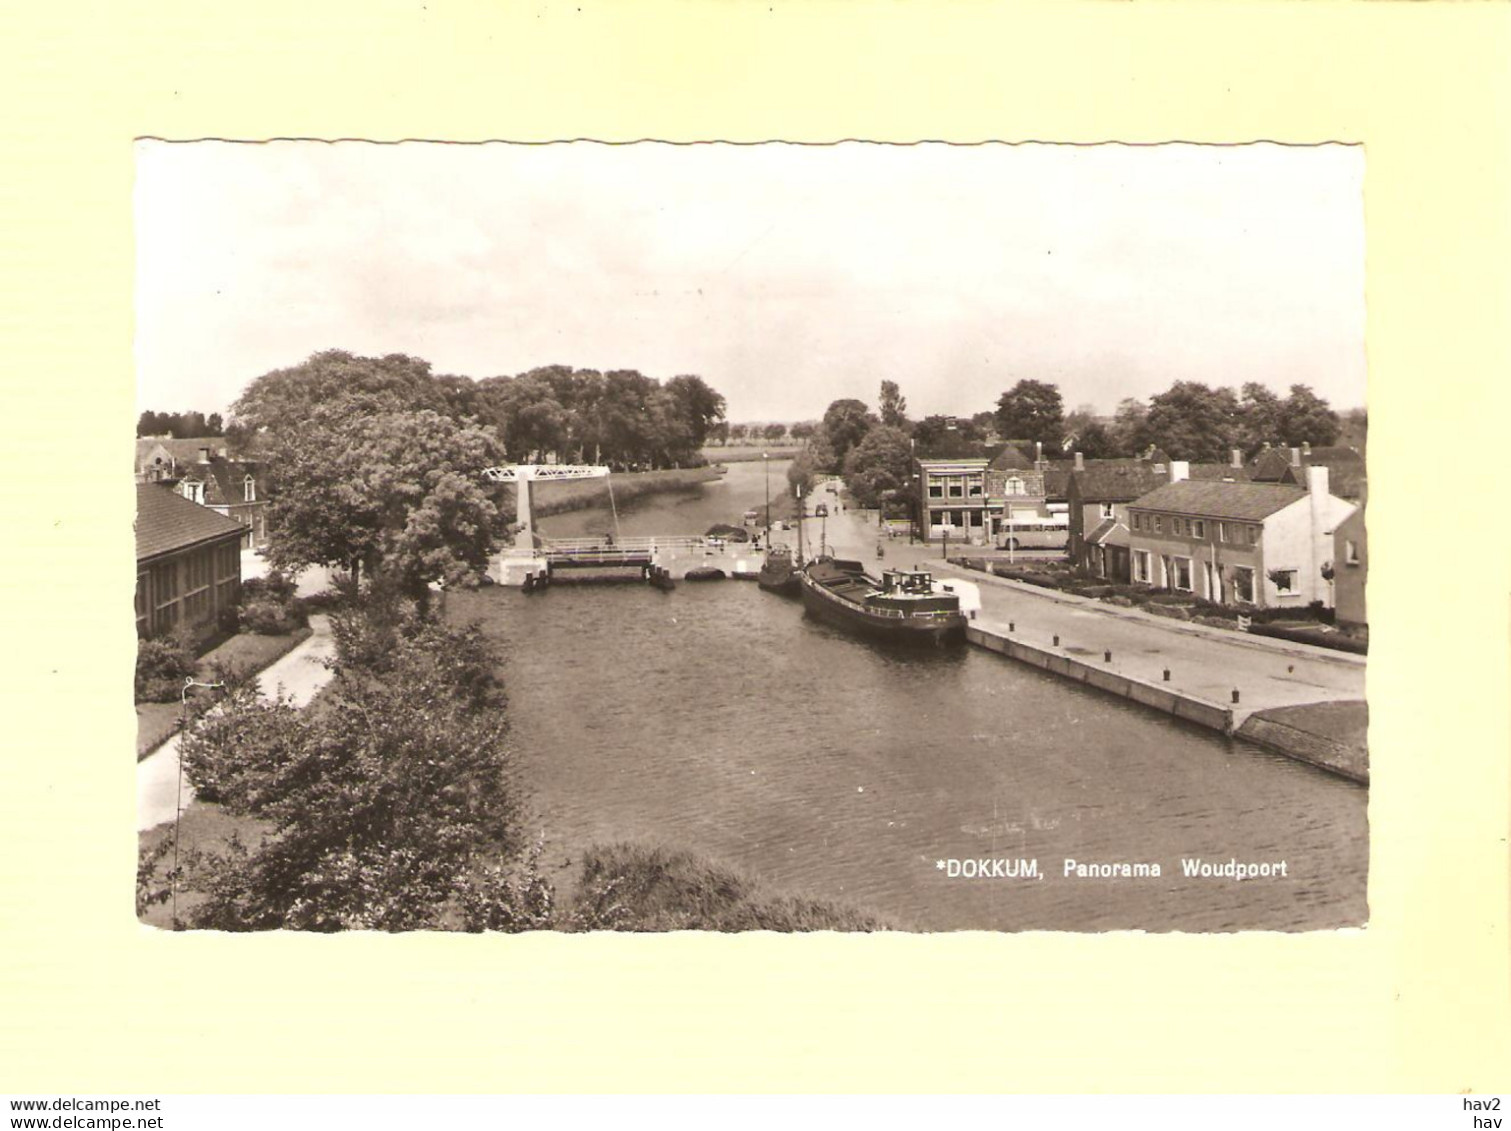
point(1099, 491)
point(1345, 466)
point(188, 563)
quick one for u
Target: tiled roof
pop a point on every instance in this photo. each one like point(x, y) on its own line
point(1246, 501)
point(1345, 468)
point(1219, 471)
point(166, 521)
point(1117, 480)
point(182, 451)
point(1111, 533)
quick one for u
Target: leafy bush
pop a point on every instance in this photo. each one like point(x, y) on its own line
point(385, 802)
point(162, 664)
point(269, 607)
point(275, 586)
point(269, 618)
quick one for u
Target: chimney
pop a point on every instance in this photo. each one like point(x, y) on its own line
point(1316, 482)
point(1295, 457)
point(1180, 470)
point(1306, 447)
point(1080, 462)
point(1038, 451)
point(1235, 458)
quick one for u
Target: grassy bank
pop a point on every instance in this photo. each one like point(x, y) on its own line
point(619, 887)
point(738, 453)
point(639, 888)
point(582, 494)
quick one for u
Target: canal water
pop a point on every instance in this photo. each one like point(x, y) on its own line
point(720, 719)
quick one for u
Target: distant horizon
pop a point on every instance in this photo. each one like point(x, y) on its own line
point(786, 276)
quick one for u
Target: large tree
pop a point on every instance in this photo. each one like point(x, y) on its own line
point(1032, 410)
point(893, 406)
point(1307, 419)
point(846, 422)
point(699, 407)
point(1130, 427)
point(878, 465)
point(399, 494)
point(1191, 421)
point(1259, 417)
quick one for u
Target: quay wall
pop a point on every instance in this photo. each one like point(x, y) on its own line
point(1279, 730)
point(1157, 695)
point(1308, 733)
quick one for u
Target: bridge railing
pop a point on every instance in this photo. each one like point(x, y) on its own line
point(602, 547)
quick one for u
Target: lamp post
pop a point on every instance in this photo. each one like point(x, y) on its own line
point(766, 463)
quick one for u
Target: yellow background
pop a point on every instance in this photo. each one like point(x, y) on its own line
point(90, 1002)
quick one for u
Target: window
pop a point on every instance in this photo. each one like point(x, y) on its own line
point(1253, 535)
point(1243, 584)
point(975, 518)
point(141, 604)
point(957, 489)
point(1180, 574)
point(1198, 529)
point(1141, 566)
point(1109, 510)
point(936, 487)
point(192, 490)
point(1350, 552)
point(249, 489)
point(1138, 521)
point(1222, 531)
point(1014, 486)
point(1159, 523)
point(1284, 579)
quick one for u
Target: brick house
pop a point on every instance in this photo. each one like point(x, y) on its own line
point(158, 458)
point(202, 471)
point(1237, 543)
point(188, 563)
point(1099, 492)
point(985, 499)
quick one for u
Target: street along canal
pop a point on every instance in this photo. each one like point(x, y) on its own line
point(718, 718)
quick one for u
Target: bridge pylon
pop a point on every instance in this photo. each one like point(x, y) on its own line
point(522, 475)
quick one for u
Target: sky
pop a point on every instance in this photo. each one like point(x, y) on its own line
point(786, 276)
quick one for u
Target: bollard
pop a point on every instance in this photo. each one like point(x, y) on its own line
point(1235, 695)
point(1107, 656)
point(1167, 675)
point(1011, 626)
point(1057, 640)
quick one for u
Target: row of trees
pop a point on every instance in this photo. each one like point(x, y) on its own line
point(375, 464)
point(179, 425)
point(1190, 421)
point(770, 433)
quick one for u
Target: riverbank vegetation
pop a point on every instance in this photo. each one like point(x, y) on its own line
point(374, 466)
point(393, 803)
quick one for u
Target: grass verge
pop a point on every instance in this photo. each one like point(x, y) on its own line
point(246, 651)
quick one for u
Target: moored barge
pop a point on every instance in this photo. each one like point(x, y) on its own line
point(903, 604)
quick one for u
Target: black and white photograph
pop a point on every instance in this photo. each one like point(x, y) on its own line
point(778, 537)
